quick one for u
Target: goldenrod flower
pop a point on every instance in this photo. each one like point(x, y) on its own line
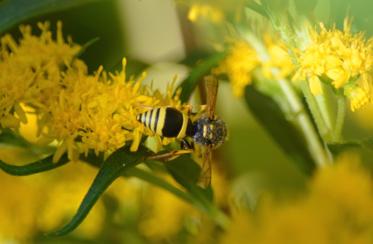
point(341, 59)
point(205, 11)
point(80, 111)
point(243, 60)
point(31, 71)
point(239, 65)
point(279, 64)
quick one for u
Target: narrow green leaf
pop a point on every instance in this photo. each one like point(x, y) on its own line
point(8, 137)
point(286, 135)
point(33, 168)
point(186, 176)
point(184, 169)
point(201, 69)
point(187, 172)
point(13, 12)
point(112, 168)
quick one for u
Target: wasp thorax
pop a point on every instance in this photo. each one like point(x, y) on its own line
point(209, 132)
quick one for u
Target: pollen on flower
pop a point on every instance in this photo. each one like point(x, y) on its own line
point(340, 58)
point(238, 66)
point(81, 112)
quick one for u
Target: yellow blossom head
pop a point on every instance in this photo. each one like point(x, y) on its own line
point(340, 58)
point(271, 60)
point(77, 110)
point(35, 65)
point(238, 66)
point(279, 64)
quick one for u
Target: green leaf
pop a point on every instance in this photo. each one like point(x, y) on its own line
point(8, 137)
point(187, 172)
point(196, 74)
point(13, 12)
point(113, 167)
point(184, 169)
point(33, 168)
point(286, 135)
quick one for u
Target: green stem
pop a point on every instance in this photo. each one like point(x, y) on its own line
point(325, 112)
point(314, 108)
point(341, 113)
point(317, 150)
point(313, 143)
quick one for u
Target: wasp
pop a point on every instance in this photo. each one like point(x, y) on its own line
point(208, 130)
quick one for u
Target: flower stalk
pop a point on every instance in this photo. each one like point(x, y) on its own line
point(314, 145)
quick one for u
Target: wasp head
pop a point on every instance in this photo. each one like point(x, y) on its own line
point(209, 132)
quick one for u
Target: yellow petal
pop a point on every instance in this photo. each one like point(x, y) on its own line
point(136, 140)
point(339, 77)
point(315, 85)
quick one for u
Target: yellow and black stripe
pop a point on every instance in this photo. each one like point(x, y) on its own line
point(167, 122)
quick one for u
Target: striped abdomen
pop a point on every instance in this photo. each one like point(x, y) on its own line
point(167, 122)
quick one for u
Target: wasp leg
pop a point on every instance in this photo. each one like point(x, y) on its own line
point(189, 109)
point(186, 145)
point(170, 155)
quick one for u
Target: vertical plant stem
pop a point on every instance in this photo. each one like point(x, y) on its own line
point(317, 150)
point(313, 107)
point(341, 113)
point(314, 145)
point(325, 112)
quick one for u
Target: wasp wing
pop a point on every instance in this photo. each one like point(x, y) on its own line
point(205, 178)
point(211, 84)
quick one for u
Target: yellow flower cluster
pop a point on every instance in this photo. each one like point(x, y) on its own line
point(337, 209)
point(243, 60)
point(278, 65)
point(80, 111)
point(343, 59)
point(30, 71)
point(238, 66)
